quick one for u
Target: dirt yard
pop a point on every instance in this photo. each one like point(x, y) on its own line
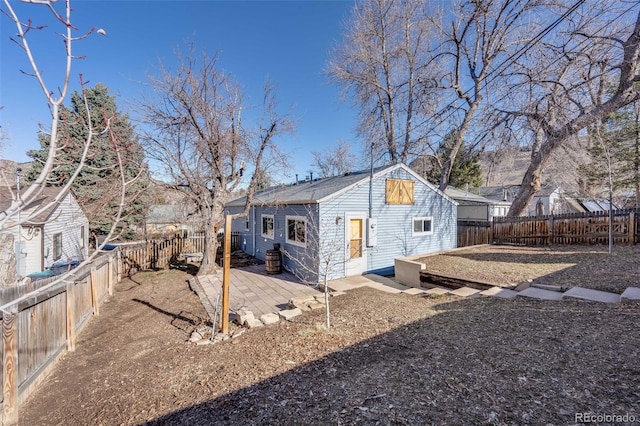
point(388, 359)
point(565, 266)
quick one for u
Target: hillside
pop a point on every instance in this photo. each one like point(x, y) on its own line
point(508, 166)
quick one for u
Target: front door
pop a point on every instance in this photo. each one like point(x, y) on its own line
point(356, 248)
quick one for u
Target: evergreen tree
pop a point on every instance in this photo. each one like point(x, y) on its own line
point(465, 172)
point(98, 187)
point(615, 147)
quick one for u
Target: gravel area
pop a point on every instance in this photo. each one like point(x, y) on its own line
point(388, 359)
point(565, 266)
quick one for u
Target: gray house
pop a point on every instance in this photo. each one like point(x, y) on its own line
point(348, 225)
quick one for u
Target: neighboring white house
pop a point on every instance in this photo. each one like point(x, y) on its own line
point(48, 234)
point(548, 200)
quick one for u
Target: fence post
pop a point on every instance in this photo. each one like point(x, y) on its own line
point(9, 367)
point(71, 320)
point(119, 265)
point(94, 291)
point(110, 274)
point(632, 228)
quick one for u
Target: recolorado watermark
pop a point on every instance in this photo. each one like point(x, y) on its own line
point(590, 417)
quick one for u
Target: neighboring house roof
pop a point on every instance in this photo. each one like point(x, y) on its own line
point(463, 196)
point(46, 196)
point(319, 190)
point(508, 192)
point(165, 213)
point(595, 204)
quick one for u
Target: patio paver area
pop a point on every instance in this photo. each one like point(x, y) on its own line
point(252, 289)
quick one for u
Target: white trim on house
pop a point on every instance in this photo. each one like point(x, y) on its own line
point(295, 242)
point(423, 221)
point(268, 233)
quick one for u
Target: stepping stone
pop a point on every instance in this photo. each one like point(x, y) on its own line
point(631, 293)
point(437, 291)
point(466, 292)
point(414, 291)
point(547, 287)
point(505, 293)
point(289, 314)
point(538, 293)
point(270, 319)
point(594, 295)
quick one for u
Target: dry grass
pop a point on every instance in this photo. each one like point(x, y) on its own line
point(565, 266)
point(388, 359)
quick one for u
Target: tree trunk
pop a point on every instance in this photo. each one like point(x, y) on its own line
point(8, 273)
point(209, 266)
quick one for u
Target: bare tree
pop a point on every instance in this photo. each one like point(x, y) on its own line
point(335, 161)
point(323, 253)
point(562, 83)
point(200, 138)
point(61, 15)
point(386, 62)
point(478, 41)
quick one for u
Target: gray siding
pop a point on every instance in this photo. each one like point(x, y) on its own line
point(302, 261)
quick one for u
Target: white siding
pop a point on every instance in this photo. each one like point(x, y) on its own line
point(67, 219)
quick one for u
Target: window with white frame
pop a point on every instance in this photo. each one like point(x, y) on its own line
point(297, 230)
point(267, 225)
point(422, 226)
point(82, 237)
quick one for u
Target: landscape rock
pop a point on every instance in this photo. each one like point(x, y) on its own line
point(243, 315)
point(195, 337)
point(301, 302)
point(289, 314)
point(253, 323)
point(316, 305)
point(270, 318)
point(238, 332)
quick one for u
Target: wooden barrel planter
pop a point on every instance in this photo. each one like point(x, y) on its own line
point(274, 262)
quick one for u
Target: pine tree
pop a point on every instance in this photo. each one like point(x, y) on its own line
point(98, 186)
point(465, 172)
point(615, 147)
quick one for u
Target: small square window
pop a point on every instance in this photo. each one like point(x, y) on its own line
point(297, 230)
point(422, 226)
point(267, 226)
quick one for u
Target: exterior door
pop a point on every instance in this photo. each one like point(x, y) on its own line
point(356, 248)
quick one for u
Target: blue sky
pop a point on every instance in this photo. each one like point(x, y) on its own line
point(286, 42)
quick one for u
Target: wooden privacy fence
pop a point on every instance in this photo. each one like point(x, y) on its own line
point(574, 228)
point(42, 319)
point(473, 232)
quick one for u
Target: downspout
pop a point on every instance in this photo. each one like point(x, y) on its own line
point(253, 231)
